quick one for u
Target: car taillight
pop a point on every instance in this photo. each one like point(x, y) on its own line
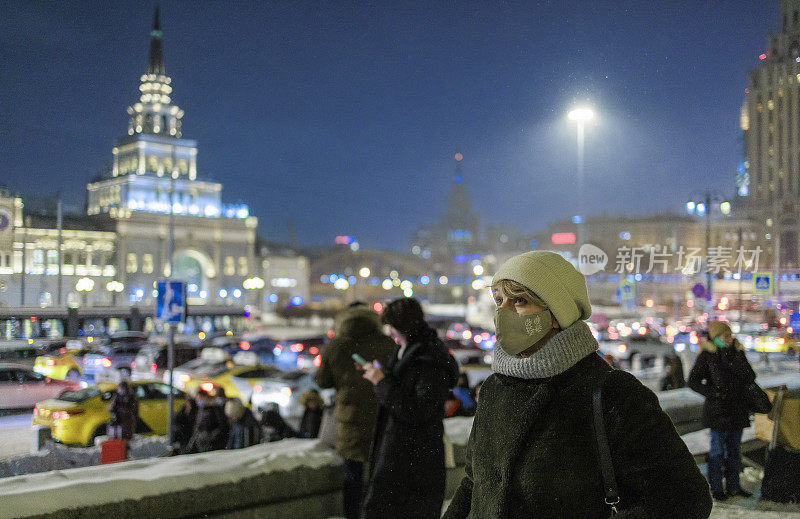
point(133, 365)
point(62, 350)
point(106, 362)
point(153, 367)
point(286, 391)
point(86, 361)
point(63, 415)
point(50, 362)
point(207, 387)
point(296, 347)
point(318, 360)
point(244, 345)
point(35, 411)
point(313, 350)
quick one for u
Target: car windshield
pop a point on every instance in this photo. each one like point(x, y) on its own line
point(294, 375)
point(81, 395)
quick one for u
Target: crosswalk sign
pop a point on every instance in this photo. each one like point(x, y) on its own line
point(763, 283)
point(171, 301)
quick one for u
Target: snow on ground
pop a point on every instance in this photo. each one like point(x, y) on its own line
point(34, 494)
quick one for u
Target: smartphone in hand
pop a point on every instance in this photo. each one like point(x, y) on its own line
point(358, 358)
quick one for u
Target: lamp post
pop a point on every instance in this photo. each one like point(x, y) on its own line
point(581, 116)
point(84, 286)
point(704, 205)
point(115, 287)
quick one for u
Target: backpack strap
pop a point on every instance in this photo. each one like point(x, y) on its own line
point(603, 450)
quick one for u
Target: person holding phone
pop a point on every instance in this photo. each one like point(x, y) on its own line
point(358, 331)
point(407, 471)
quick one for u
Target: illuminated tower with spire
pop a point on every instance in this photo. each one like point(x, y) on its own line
point(154, 168)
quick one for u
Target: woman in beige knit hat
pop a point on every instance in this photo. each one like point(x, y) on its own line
point(722, 373)
point(533, 451)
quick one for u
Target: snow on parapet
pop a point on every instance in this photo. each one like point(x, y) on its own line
point(35, 494)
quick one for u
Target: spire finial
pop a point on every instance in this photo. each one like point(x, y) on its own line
point(156, 65)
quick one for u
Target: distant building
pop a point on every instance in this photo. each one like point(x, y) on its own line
point(153, 186)
point(771, 124)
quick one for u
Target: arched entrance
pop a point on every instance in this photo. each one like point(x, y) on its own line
point(195, 269)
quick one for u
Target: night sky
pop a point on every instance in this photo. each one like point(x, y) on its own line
point(344, 117)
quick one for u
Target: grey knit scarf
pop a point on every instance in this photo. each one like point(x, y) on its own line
point(560, 353)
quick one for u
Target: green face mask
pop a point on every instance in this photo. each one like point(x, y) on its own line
point(719, 342)
point(516, 333)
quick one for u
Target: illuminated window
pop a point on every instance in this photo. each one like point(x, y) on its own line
point(147, 263)
point(242, 266)
point(52, 257)
point(131, 265)
point(230, 268)
point(38, 258)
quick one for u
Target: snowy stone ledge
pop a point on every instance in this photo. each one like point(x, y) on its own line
point(290, 478)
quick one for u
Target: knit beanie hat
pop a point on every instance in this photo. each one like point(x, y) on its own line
point(717, 328)
point(553, 279)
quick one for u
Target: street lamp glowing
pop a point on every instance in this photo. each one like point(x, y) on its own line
point(581, 115)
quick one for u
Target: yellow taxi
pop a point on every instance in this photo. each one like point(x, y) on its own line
point(780, 343)
point(60, 365)
point(235, 379)
point(78, 417)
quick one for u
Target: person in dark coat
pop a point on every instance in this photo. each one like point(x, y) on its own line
point(211, 425)
point(244, 429)
point(357, 330)
point(722, 373)
point(124, 409)
point(313, 405)
point(407, 467)
point(183, 426)
point(532, 450)
point(673, 378)
point(275, 427)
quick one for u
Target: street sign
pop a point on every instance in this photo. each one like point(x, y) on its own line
point(763, 283)
point(794, 321)
point(699, 290)
point(171, 301)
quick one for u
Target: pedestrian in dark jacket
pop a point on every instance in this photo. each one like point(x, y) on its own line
point(407, 471)
point(313, 404)
point(184, 424)
point(124, 409)
point(211, 425)
point(673, 377)
point(532, 451)
point(244, 429)
point(357, 330)
point(275, 427)
point(722, 373)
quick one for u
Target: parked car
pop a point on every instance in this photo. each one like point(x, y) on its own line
point(151, 361)
point(78, 417)
point(60, 365)
point(118, 356)
point(19, 352)
point(300, 352)
point(784, 342)
point(285, 390)
point(643, 348)
point(21, 387)
point(236, 380)
point(208, 361)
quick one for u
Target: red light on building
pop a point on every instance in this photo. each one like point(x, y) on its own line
point(459, 157)
point(763, 56)
point(343, 240)
point(563, 238)
point(746, 90)
point(244, 345)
